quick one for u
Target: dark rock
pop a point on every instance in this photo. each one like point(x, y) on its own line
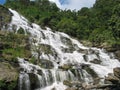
point(84, 51)
point(90, 71)
point(111, 49)
point(67, 83)
point(40, 72)
point(113, 79)
point(85, 58)
point(117, 53)
point(96, 61)
point(34, 82)
point(117, 72)
point(47, 64)
point(68, 50)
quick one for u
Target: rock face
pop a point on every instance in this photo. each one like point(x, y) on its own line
point(117, 53)
point(5, 16)
point(8, 76)
point(7, 72)
point(113, 79)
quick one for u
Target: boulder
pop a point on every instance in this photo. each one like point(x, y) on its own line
point(112, 79)
point(72, 88)
point(67, 83)
point(117, 53)
point(96, 61)
point(117, 72)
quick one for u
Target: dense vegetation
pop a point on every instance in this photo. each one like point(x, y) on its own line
point(13, 46)
point(98, 24)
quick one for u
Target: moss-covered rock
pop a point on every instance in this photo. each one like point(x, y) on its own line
point(5, 16)
point(47, 64)
point(65, 67)
point(47, 49)
point(67, 83)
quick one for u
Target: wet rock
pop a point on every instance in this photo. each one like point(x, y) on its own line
point(85, 58)
point(90, 71)
point(47, 64)
point(40, 72)
point(72, 88)
point(84, 51)
point(34, 82)
point(68, 50)
point(117, 72)
point(74, 85)
point(53, 88)
point(65, 67)
point(67, 83)
point(117, 53)
point(96, 61)
point(47, 49)
point(111, 78)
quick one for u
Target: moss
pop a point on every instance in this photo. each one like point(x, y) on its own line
point(21, 31)
point(66, 67)
point(47, 49)
point(32, 60)
point(14, 45)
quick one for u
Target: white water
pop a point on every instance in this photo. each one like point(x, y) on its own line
point(65, 51)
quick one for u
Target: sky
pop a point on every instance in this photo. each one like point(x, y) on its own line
point(69, 4)
point(2, 1)
point(73, 4)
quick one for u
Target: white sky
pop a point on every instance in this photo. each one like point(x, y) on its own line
point(75, 4)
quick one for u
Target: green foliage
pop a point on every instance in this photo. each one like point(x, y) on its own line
point(14, 45)
point(68, 26)
point(8, 86)
point(99, 24)
point(21, 31)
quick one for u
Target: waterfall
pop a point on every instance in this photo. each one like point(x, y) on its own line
point(24, 81)
point(62, 58)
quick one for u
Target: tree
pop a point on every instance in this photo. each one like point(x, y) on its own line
point(114, 22)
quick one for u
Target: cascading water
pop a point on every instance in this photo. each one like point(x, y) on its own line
point(61, 58)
